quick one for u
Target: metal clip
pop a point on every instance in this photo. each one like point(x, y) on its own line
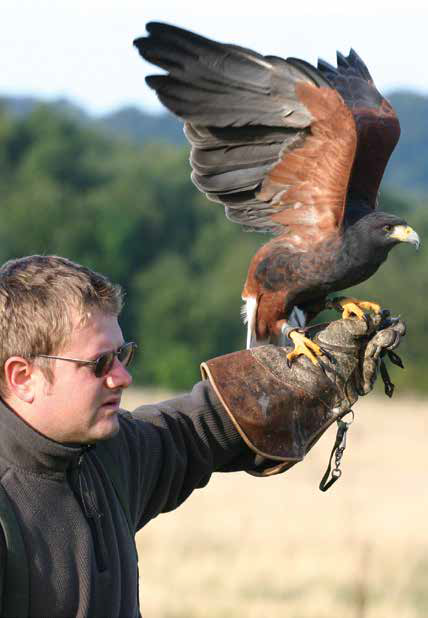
point(338, 450)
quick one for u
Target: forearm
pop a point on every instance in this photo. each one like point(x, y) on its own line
point(171, 448)
point(199, 419)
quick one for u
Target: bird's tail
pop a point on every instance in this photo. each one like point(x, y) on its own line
point(249, 314)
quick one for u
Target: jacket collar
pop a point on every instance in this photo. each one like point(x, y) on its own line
point(23, 447)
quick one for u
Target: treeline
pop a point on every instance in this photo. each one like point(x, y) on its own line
point(131, 212)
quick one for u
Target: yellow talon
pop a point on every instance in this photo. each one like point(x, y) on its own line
point(370, 306)
point(305, 347)
point(354, 307)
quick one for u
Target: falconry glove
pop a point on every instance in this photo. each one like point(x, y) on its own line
point(280, 410)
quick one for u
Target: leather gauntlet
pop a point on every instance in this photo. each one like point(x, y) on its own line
point(281, 412)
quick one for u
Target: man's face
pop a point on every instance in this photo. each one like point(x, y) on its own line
point(78, 407)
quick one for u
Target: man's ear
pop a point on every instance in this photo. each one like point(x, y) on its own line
point(20, 378)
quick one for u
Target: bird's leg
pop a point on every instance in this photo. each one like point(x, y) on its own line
point(352, 306)
point(302, 345)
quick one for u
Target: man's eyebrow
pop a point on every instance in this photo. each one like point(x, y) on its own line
point(106, 351)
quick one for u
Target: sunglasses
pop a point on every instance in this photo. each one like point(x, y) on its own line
point(103, 364)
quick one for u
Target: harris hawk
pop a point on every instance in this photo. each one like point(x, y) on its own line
point(291, 149)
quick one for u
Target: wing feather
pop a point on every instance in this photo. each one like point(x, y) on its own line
point(378, 128)
point(271, 139)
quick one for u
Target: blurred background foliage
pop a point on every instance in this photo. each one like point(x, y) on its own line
point(114, 193)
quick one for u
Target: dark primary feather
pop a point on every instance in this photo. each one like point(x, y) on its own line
point(205, 78)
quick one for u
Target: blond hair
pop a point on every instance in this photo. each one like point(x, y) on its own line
point(39, 295)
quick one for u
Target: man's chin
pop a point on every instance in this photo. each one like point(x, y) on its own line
point(105, 428)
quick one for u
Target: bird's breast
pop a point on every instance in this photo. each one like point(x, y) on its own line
point(329, 266)
point(284, 267)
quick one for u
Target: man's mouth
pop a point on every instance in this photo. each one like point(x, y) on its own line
point(113, 403)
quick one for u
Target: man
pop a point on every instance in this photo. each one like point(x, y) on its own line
point(64, 365)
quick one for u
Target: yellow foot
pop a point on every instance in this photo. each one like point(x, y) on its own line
point(304, 346)
point(354, 307)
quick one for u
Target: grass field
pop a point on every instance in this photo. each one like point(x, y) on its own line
point(278, 547)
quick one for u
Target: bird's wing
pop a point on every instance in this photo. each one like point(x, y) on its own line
point(271, 139)
point(378, 127)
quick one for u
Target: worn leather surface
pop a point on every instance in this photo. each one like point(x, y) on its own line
point(281, 412)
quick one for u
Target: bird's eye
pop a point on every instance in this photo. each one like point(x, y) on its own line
point(387, 228)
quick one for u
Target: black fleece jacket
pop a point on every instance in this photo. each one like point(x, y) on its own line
point(81, 557)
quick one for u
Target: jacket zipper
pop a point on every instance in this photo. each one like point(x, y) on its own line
point(86, 498)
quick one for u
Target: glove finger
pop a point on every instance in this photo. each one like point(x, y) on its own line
point(385, 338)
point(396, 341)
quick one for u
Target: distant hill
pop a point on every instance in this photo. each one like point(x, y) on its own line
point(408, 168)
point(21, 106)
point(136, 125)
point(129, 122)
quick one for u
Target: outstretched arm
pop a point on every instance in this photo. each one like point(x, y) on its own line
point(252, 413)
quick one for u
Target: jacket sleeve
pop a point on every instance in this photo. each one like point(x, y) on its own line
point(173, 447)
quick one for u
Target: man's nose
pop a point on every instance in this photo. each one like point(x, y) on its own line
point(118, 376)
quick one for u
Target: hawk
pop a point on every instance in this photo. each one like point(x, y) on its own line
point(294, 150)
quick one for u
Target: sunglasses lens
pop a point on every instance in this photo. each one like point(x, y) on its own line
point(104, 364)
point(126, 353)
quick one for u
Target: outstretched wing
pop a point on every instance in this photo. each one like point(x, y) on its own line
point(378, 127)
point(271, 139)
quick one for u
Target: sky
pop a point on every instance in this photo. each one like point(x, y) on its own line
point(82, 49)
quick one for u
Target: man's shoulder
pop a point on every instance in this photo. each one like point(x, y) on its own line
point(143, 418)
point(134, 428)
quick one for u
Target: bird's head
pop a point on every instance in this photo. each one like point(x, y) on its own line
point(387, 230)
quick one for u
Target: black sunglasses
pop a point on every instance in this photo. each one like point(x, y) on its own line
point(103, 364)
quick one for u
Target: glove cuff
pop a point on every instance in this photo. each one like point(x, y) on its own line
point(280, 412)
